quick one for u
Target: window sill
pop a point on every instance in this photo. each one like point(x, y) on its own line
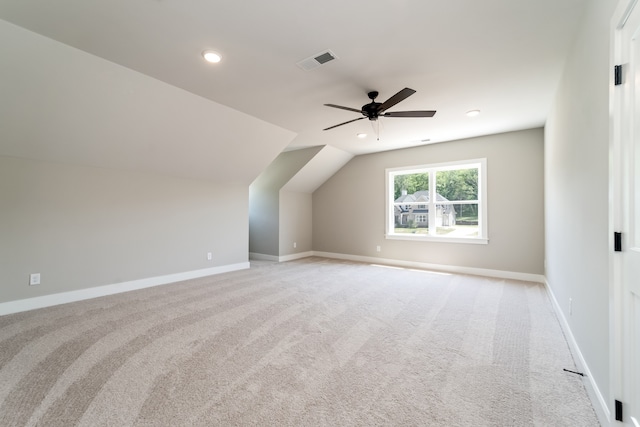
point(414, 238)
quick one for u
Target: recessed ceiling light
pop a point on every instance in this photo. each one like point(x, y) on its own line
point(211, 56)
point(361, 135)
point(473, 113)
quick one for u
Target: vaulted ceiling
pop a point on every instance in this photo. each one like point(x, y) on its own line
point(502, 57)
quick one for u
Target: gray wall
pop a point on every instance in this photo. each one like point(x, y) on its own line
point(576, 191)
point(264, 209)
point(264, 201)
point(81, 227)
point(349, 209)
point(108, 175)
point(295, 222)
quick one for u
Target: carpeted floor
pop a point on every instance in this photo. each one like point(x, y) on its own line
point(313, 342)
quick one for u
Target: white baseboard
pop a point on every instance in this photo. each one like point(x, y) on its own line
point(264, 257)
point(116, 288)
point(528, 277)
point(597, 399)
point(296, 256)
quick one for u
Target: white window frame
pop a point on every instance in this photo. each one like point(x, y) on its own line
point(481, 164)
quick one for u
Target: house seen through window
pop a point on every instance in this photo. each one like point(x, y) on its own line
point(444, 202)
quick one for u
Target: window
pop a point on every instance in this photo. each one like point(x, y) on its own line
point(456, 213)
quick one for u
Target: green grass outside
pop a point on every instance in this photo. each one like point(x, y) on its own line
point(420, 230)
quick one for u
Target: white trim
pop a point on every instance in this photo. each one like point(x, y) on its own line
point(501, 274)
point(616, 307)
point(619, 132)
point(116, 288)
point(597, 399)
point(622, 17)
point(295, 256)
point(264, 257)
point(427, 238)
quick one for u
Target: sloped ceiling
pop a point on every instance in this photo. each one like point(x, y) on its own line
point(318, 169)
point(60, 104)
point(503, 57)
point(283, 169)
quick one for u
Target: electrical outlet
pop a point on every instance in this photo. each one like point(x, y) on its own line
point(34, 279)
point(570, 306)
point(378, 248)
point(295, 245)
point(209, 256)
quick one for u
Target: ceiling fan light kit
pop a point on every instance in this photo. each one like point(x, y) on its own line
point(374, 110)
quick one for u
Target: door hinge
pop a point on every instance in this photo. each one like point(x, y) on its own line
point(617, 74)
point(618, 410)
point(617, 241)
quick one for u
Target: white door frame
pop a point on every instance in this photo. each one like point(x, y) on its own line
point(619, 354)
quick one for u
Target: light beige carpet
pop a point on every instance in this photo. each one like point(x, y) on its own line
point(313, 342)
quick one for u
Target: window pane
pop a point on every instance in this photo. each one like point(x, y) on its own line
point(411, 218)
point(412, 228)
point(411, 212)
point(457, 220)
point(409, 184)
point(459, 184)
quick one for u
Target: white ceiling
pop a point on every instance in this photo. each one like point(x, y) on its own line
point(503, 57)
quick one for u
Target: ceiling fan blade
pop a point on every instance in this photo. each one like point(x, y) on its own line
point(410, 114)
point(354, 120)
point(343, 108)
point(400, 96)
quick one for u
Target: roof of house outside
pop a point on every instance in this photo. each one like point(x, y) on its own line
point(419, 196)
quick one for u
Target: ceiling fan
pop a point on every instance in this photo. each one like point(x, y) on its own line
point(374, 109)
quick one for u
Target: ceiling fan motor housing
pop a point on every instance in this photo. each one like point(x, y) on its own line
point(371, 110)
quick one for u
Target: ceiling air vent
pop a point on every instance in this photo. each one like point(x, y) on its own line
point(316, 60)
